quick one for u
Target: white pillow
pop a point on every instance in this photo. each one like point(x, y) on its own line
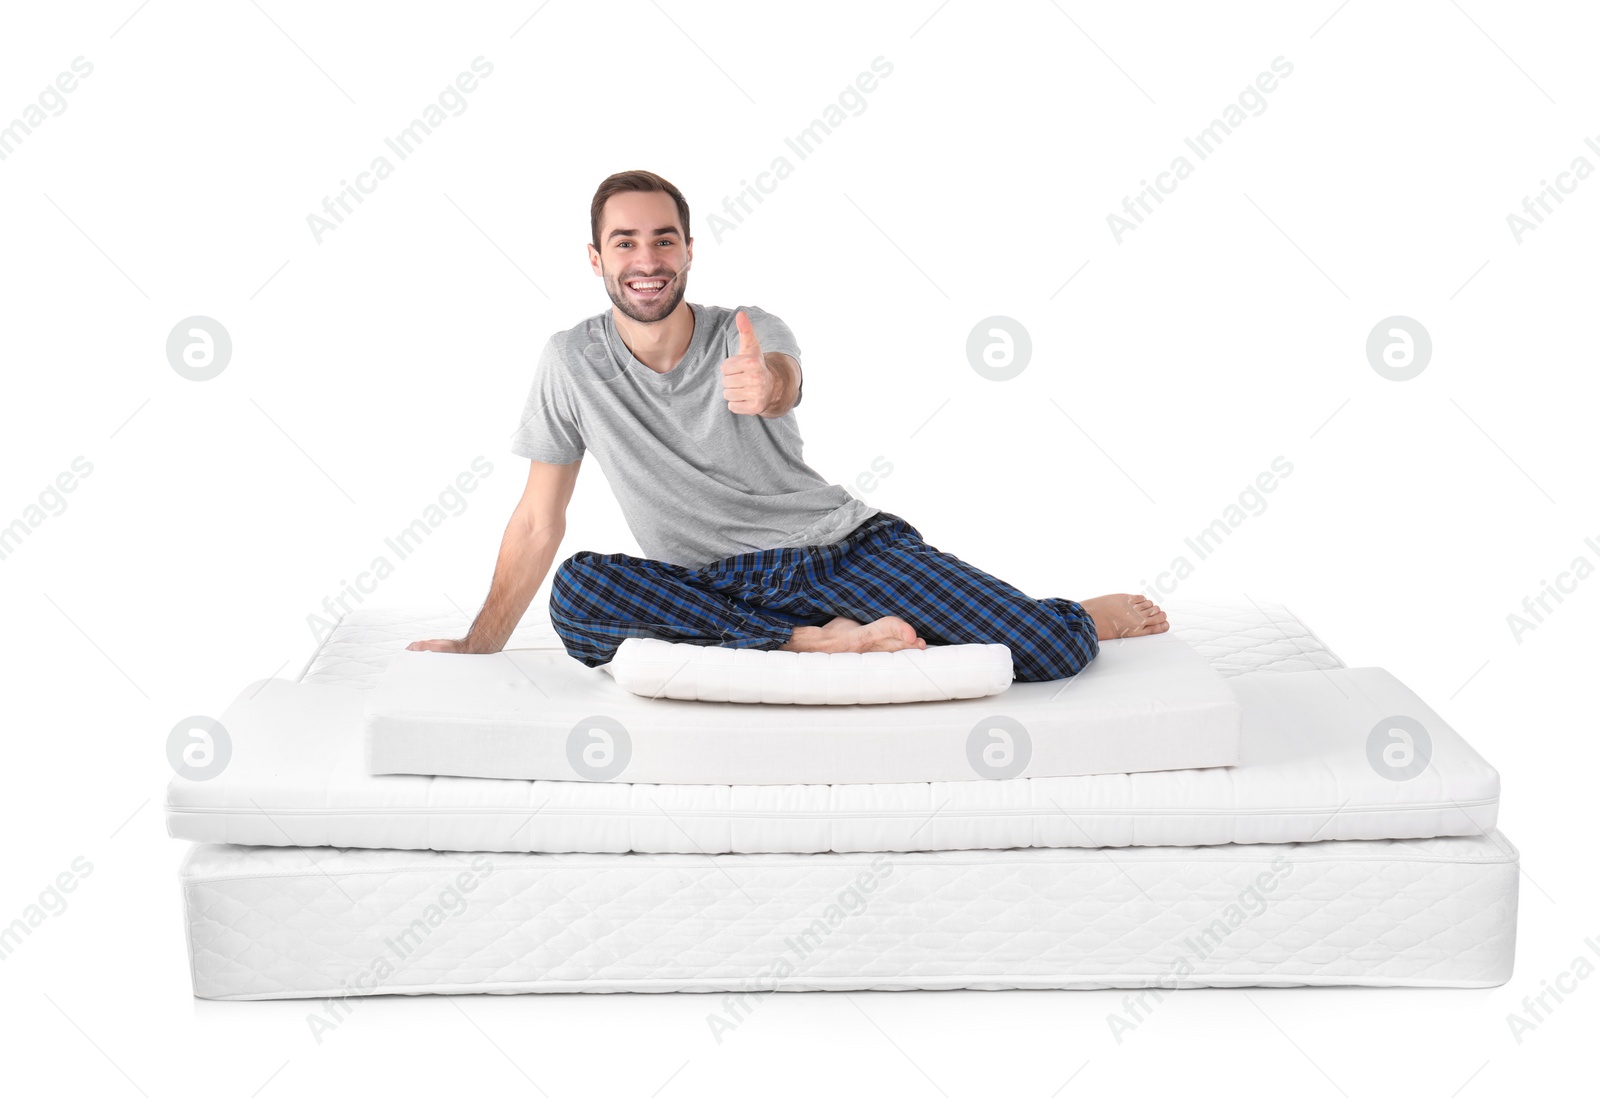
point(695, 672)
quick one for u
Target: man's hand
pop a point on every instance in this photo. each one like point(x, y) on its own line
point(437, 646)
point(748, 383)
point(527, 551)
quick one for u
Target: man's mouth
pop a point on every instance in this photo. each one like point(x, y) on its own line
point(646, 288)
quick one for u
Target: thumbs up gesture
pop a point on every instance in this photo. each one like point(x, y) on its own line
point(748, 383)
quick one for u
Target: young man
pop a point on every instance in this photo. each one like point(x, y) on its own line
point(688, 409)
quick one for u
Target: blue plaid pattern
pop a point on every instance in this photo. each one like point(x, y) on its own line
point(755, 600)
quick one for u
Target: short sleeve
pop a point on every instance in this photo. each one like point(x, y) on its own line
point(548, 430)
point(774, 335)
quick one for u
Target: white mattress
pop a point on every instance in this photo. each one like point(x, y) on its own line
point(1145, 703)
point(297, 778)
point(1235, 636)
point(287, 923)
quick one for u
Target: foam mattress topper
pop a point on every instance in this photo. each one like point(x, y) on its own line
point(1311, 767)
point(1144, 703)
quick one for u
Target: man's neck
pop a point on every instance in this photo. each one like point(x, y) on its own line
point(662, 344)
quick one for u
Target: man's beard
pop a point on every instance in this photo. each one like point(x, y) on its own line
point(648, 312)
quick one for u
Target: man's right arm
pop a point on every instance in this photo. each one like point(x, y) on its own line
point(529, 547)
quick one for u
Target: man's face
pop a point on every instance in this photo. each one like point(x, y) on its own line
point(642, 257)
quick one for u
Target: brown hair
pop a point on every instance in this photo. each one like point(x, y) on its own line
point(627, 182)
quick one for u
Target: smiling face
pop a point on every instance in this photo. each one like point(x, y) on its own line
point(643, 256)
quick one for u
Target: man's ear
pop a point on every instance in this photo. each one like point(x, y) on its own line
point(594, 260)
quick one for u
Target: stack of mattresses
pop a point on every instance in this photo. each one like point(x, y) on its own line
point(1351, 841)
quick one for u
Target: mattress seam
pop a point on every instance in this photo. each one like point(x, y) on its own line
point(321, 646)
point(769, 817)
point(655, 865)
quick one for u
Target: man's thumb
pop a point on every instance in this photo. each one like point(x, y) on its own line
point(748, 344)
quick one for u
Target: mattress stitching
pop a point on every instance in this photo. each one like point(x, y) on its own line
point(1089, 981)
point(909, 814)
point(650, 862)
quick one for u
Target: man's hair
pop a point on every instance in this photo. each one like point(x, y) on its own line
point(626, 182)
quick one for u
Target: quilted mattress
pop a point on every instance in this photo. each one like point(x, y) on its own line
point(297, 778)
point(1236, 636)
point(655, 668)
point(269, 923)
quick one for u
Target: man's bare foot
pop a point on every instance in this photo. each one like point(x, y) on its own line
point(1125, 616)
point(890, 634)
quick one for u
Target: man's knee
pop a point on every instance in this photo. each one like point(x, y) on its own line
point(579, 572)
point(576, 587)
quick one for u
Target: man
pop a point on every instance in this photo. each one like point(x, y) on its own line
point(689, 411)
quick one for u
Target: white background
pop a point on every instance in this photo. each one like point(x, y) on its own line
point(369, 370)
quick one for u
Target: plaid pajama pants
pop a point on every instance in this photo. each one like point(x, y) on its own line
point(755, 600)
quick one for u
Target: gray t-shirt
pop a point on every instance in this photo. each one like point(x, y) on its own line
point(696, 482)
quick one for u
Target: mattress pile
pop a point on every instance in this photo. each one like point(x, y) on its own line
point(1308, 834)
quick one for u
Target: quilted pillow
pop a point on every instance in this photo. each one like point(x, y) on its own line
point(693, 672)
